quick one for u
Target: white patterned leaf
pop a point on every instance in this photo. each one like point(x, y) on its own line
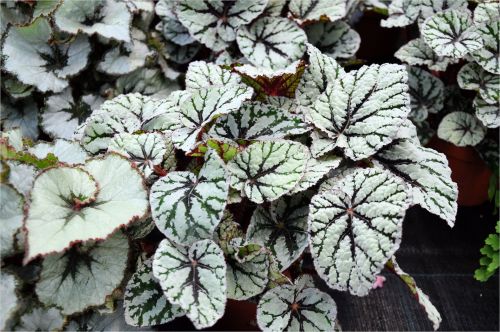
point(8, 299)
point(452, 33)
point(315, 170)
point(272, 42)
point(268, 170)
point(417, 53)
point(71, 205)
point(363, 110)
point(489, 114)
point(321, 71)
point(214, 22)
point(49, 64)
point(148, 81)
point(282, 228)
point(11, 218)
point(125, 58)
point(201, 108)
point(257, 121)
point(487, 12)
point(247, 269)
point(355, 227)
point(169, 118)
point(23, 116)
point(427, 174)
point(69, 152)
point(461, 129)
point(472, 77)
point(335, 39)
point(41, 319)
point(201, 74)
point(21, 176)
point(174, 31)
point(194, 278)
point(298, 307)
point(186, 207)
point(144, 301)
point(321, 144)
point(487, 57)
point(108, 18)
point(426, 93)
point(316, 10)
point(63, 114)
point(145, 151)
point(83, 275)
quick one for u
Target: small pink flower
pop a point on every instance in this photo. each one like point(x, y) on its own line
point(379, 282)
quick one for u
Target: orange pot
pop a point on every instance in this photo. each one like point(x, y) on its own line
point(468, 170)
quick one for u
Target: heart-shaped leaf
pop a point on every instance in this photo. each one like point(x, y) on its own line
point(417, 53)
point(461, 129)
point(487, 57)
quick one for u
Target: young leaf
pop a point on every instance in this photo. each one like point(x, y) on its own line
point(201, 74)
point(451, 33)
point(257, 121)
point(69, 152)
point(8, 299)
point(214, 23)
point(489, 114)
point(84, 275)
point(321, 71)
point(70, 205)
point(426, 93)
point(461, 129)
point(335, 39)
point(11, 218)
point(144, 301)
point(363, 110)
point(298, 307)
point(487, 57)
point(268, 170)
point(186, 207)
point(282, 228)
point(307, 10)
point(41, 319)
point(417, 53)
point(473, 77)
point(426, 173)
point(272, 42)
point(355, 227)
point(194, 278)
point(110, 19)
point(201, 108)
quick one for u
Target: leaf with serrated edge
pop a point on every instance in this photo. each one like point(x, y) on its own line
point(473, 77)
point(298, 307)
point(21, 176)
point(71, 205)
point(487, 57)
point(8, 299)
point(461, 129)
point(186, 207)
point(201, 108)
point(257, 121)
point(321, 144)
point(426, 173)
point(84, 275)
point(282, 228)
point(315, 10)
point(144, 301)
point(69, 152)
point(335, 39)
point(315, 170)
point(451, 33)
point(489, 114)
point(214, 23)
point(11, 217)
point(194, 278)
point(268, 170)
point(355, 227)
point(108, 18)
point(362, 111)
point(426, 93)
point(417, 53)
point(201, 74)
point(272, 42)
point(41, 319)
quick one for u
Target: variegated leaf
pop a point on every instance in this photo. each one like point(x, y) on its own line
point(70, 205)
point(362, 111)
point(487, 57)
point(83, 275)
point(417, 53)
point(489, 114)
point(321, 144)
point(257, 121)
point(69, 152)
point(201, 74)
point(9, 301)
point(214, 22)
point(201, 108)
point(461, 129)
point(144, 301)
point(186, 207)
point(473, 77)
point(282, 228)
point(227, 230)
point(427, 174)
point(315, 170)
point(194, 278)
point(21, 176)
point(298, 307)
point(272, 42)
point(335, 39)
point(426, 93)
point(452, 33)
point(268, 170)
point(315, 10)
point(355, 227)
point(487, 12)
point(11, 218)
